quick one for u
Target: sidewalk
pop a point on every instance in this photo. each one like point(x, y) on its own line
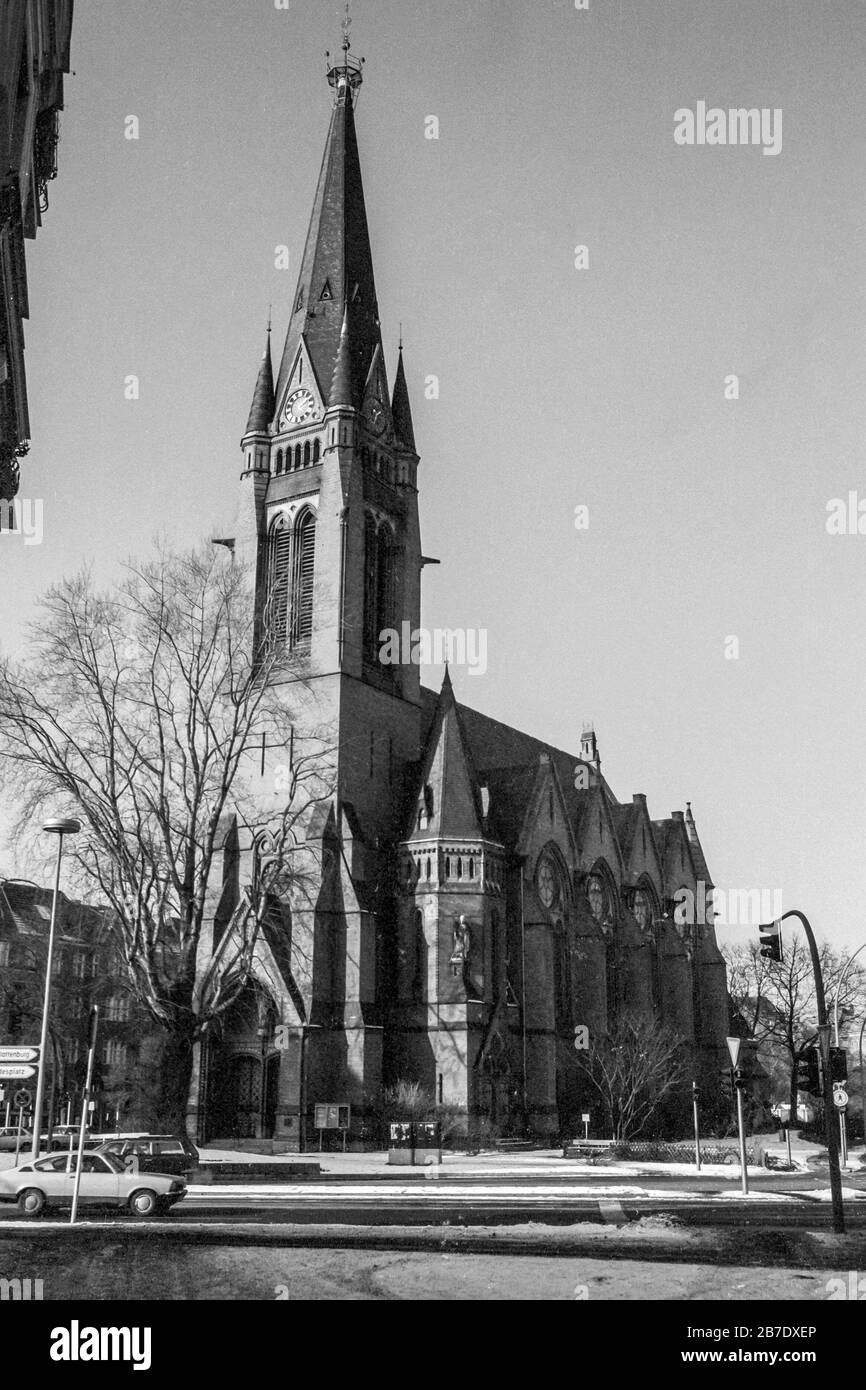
point(538, 1163)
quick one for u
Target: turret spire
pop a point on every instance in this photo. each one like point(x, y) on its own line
point(401, 410)
point(262, 409)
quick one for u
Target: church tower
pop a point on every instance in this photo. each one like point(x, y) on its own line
point(329, 503)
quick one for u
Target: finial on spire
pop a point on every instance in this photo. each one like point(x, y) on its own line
point(270, 314)
point(347, 76)
point(400, 344)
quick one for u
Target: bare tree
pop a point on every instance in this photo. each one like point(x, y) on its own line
point(633, 1068)
point(777, 1000)
point(141, 711)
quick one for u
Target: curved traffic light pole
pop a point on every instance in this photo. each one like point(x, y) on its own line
point(824, 1036)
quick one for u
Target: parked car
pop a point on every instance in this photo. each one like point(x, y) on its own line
point(9, 1139)
point(104, 1182)
point(60, 1137)
point(155, 1153)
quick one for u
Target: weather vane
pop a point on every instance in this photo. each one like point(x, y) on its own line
point(347, 24)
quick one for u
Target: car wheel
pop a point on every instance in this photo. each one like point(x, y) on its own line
point(31, 1202)
point(143, 1202)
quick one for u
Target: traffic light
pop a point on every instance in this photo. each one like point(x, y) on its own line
point(740, 1079)
point(838, 1064)
point(771, 940)
point(808, 1072)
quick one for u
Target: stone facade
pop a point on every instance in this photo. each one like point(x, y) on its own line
point(471, 895)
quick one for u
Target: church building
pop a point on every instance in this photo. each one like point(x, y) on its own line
point(480, 903)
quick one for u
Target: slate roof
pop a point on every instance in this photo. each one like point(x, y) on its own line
point(337, 268)
point(262, 408)
point(506, 761)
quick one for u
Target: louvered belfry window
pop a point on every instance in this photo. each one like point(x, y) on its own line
point(385, 579)
point(303, 566)
point(371, 630)
point(278, 581)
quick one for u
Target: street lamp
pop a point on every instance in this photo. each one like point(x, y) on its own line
point(58, 828)
point(862, 1082)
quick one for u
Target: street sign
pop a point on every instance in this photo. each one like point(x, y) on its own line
point(23, 1099)
point(585, 1118)
point(840, 1095)
point(581, 1038)
point(734, 1049)
point(16, 1073)
point(18, 1054)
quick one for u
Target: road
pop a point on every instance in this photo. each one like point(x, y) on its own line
point(788, 1201)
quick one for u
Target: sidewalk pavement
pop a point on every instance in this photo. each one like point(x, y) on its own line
point(533, 1163)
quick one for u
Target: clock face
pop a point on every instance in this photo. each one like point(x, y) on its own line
point(300, 406)
point(546, 883)
point(376, 415)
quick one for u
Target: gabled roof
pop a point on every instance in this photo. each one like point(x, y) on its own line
point(700, 862)
point(670, 835)
point(447, 768)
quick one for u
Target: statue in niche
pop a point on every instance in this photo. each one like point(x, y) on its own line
point(461, 953)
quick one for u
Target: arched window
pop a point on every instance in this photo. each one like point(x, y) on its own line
point(297, 455)
point(495, 957)
point(279, 460)
point(308, 454)
point(385, 579)
point(419, 953)
point(303, 567)
point(317, 450)
point(279, 566)
point(371, 630)
point(562, 978)
point(595, 892)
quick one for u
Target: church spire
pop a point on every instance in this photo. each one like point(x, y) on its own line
point(401, 410)
point(262, 409)
point(337, 267)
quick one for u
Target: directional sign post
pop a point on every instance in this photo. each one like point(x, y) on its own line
point(18, 1054)
point(17, 1073)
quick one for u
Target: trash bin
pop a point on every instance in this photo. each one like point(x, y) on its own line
point(400, 1147)
point(428, 1143)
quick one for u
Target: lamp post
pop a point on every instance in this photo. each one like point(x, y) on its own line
point(862, 1085)
point(824, 1037)
point(58, 828)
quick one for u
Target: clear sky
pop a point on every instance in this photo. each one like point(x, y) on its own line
point(559, 387)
